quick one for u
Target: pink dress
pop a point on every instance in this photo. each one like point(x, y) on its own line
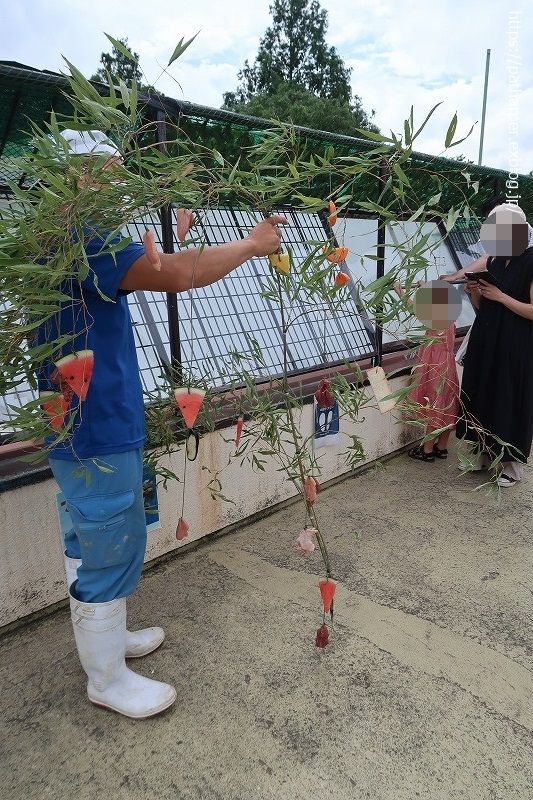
point(436, 385)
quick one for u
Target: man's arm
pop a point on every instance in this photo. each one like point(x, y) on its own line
point(479, 265)
point(179, 271)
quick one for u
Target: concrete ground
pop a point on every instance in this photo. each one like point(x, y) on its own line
point(424, 692)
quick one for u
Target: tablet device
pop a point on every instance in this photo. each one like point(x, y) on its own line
point(482, 276)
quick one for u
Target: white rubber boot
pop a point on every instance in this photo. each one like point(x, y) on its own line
point(100, 633)
point(138, 643)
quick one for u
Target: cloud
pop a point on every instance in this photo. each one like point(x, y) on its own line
point(402, 54)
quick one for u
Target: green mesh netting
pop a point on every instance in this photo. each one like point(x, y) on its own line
point(30, 95)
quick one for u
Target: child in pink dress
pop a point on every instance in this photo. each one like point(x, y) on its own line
point(435, 391)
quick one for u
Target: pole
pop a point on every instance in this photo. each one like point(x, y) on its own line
point(482, 132)
point(380, 272)
point(168, 247)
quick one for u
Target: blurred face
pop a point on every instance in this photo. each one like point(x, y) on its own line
point(504, 234)
point(437, 305)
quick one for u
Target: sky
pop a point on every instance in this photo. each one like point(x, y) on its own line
point(403, 53)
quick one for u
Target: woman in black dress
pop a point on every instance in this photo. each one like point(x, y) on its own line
point(497, 386)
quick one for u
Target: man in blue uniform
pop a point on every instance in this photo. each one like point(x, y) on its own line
point(99, 466)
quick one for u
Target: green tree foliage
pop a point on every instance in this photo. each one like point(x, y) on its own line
point(296, 76)
point(117, 65)
point(291, 102)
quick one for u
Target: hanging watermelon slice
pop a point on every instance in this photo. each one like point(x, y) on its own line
point(189, 402)
point(327, 590)
point(55, 405)
point(76, 371)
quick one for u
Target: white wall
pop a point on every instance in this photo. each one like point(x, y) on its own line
point(31, 565)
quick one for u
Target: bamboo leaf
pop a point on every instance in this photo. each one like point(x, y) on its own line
point(401, 174)
point(180, 48)
point(451, 131)
point(376, 137)
point(407, 132)
point(121, 48)
point(421, 128)
point(454, 144)
point(124, 92)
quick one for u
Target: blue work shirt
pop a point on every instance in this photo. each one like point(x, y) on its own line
point(111, 418)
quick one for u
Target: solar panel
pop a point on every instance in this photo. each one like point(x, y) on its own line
point(465, 241)
point(218, 319)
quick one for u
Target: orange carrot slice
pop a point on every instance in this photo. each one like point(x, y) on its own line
point(327, 590)
point(189, 402)
point(152, 253)
point(341, 279)
point(336, 255)
point(182, 530)
point(76, 371)
point(332, 219)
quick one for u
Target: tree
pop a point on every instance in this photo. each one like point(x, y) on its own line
point(120, 67)
point(296, 76)
point(290, 102)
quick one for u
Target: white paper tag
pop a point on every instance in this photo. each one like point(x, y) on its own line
point(381, 388)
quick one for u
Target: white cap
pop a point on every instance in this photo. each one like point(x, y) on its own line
point(90, 143)
point(508, 207)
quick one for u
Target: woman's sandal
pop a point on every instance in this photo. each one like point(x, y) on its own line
point(440, 453)
point(420, 454)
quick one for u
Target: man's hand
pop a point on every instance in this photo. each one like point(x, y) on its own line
point(265, 237)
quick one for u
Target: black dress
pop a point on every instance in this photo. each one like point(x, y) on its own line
point(497, 386)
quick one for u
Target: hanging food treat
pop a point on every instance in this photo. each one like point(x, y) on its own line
point(55, 405)
point(76, 371)
point(189, 402)
point(322, 636)
point(152, 253)
point(336, 255)
point(304, 542)
point(332, 219)
point(184, 222)
point(324, 395)
point(280, 262)
point(327, 590)
point(182, 531)
point(238, 432)
point(310, 490)
point(341, 279)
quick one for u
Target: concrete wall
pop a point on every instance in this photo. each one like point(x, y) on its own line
point(31, 565)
